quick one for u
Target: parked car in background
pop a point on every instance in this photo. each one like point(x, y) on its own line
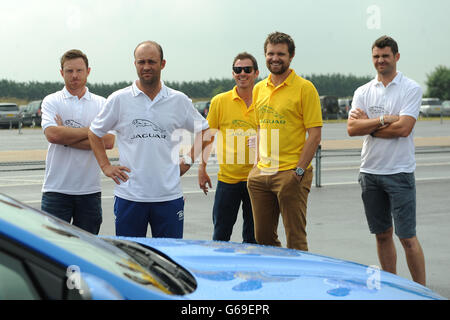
point(446, 108)
point(43, 257)
point(202, 107)
point(430, 107)
point(330, 107)
point(9, 114)
point(345, 104)
point(32, 114)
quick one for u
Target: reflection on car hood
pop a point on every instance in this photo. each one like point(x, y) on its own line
point(227, 270)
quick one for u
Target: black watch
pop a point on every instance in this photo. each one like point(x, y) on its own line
point(299, 171)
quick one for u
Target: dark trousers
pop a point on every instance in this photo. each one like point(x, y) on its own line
point(166, 218)
point(227, 201)
point(84, 211)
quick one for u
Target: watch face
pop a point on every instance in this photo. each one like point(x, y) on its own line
point(187, 160)
point(299, 171)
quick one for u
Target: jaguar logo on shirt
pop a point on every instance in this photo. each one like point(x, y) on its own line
point(268, 116)
point(241, 128)
point(266, 109)
point(375, 111)
point(147, 123)
point(241, 124)
point(72, 124)
point(144, 129)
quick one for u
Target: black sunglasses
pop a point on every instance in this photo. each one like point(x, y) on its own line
point(238, 70)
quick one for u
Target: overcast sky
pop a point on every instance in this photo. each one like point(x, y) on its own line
point(201, 37)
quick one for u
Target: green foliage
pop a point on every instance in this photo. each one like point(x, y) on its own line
point(438, 83)
point(104, 90)
point(331, 84)
point(197, 89)
point(27, 90)
point(337, 84)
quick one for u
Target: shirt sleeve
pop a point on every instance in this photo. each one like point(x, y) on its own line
point(49, 112)
point(213, 114)
point(255, 102)
point(107, 119)
point(312, 111)
point(413, 100)
point(194, 120)
point(358, 101)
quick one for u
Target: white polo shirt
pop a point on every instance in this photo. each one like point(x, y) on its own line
point(402, 96)
point(147, 138)
point(69, 170)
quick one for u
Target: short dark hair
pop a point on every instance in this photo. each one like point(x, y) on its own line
point(74, 54)
point(280, 37)
point(246, 55)
point(386, 41)
point(156, 44)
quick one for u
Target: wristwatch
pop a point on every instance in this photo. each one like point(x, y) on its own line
point(299, 171)
point(187, 160)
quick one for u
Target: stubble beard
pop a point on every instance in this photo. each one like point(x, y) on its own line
point(76, 86)
point(387, 70)
point(282, 68)
point(149, 82)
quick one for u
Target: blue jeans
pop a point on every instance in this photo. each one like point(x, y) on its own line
point(227, 201)
point(85, 211)
point(166, 218)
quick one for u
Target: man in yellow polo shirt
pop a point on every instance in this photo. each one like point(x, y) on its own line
point(289, 131)
point(232, 116)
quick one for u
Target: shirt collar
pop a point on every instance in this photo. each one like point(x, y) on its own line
point(288, 81)
point(234, 94)
point(68, 95)
point(396, 80)
point(163, 93)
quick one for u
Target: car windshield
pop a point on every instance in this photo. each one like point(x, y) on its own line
point(80, 243)
point(34, 105)
point(201, 105)
point(446, 103)
point(431, 102)
point(9, 108)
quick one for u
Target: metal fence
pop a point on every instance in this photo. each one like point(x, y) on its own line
point(320, 154)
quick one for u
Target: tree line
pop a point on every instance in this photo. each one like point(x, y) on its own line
point(338, 85)
point(333, 84)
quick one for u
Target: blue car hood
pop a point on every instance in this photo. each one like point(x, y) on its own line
point(234, 271)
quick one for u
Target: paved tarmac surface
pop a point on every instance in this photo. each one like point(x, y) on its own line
point(336, 221)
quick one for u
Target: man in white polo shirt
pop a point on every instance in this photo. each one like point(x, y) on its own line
point(71, 189)
point(146, 116)
point(385, 110)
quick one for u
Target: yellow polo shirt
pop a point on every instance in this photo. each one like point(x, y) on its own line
point(235, 123)
point(284, 113)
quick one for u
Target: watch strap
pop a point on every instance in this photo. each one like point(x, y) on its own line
point(187, 160)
